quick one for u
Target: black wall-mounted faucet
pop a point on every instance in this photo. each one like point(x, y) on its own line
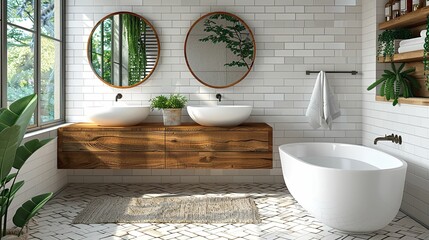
point(393, 138)
point(118, 96)
point(219, 97)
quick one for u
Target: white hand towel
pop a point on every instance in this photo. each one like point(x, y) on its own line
point(423, 33)
point(411, 48)
point(412, 41)
point(323, 107)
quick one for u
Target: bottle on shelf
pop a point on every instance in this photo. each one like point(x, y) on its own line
point(388, 11)
point(406, 6)
point(396, 8)
point(417, 4)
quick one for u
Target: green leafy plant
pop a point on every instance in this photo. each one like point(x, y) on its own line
point(386, 39)
point(13, 124)
point(234, 35)
point(163, 102)
point(396, 83)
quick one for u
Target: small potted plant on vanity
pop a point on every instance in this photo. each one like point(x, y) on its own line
point(171, 107)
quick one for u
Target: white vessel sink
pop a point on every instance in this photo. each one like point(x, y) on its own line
point(118, 116)
point(220, 116)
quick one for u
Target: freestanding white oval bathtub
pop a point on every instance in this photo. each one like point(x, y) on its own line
point(348, 187)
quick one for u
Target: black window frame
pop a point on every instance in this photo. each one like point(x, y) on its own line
point(38, 125)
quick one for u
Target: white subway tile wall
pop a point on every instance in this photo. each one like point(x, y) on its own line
point(409, 121)
point(291, 36)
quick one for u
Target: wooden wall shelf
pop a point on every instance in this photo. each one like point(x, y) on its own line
point(408, 20)
point(404, 57)
point(414, 100)
point(152, 145)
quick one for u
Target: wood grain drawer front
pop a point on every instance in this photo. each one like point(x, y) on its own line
point(111, 160)
point(252, 141)
point(113, 141)
point(219, 160)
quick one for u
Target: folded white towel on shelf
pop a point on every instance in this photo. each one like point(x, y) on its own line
point(423, 33)
point(412, 41)
point(323, 107)
point(411, 48)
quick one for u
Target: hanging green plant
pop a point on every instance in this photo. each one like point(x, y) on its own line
point(386, 46)
point(396, 83)
point(426, 55)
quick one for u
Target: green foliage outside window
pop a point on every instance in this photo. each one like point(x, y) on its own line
point(21, 53)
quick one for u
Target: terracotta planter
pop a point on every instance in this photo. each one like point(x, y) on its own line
point(172, 116)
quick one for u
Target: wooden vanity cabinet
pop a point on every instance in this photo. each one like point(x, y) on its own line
point(194, 146)
point(88, 146)
point(152, 145)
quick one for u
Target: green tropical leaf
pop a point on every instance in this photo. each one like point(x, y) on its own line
point(3, 201)
point(413, 81)
point(388, 72)
point(29, 209)
point(8, 178)
point(382, 89)
point(401, 67)
point(393, 67)
point(410, 70)
point(19, 113)
point(26, 150)
point(10, 195)
point(376, 83)
point(406, 90)
point(15, 187)
point(9, 142)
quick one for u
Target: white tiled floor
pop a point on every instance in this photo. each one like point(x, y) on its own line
point(282, 217)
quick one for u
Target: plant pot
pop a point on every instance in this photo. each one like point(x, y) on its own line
point(12, 234)
point(172, 116)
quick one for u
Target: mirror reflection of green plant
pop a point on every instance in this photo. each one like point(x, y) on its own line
point(234, 35)
point(396, 83)
point(163, 102)
point(135, 29)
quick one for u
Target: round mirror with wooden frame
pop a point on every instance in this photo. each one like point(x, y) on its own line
point(123, 49)
point(220, 49)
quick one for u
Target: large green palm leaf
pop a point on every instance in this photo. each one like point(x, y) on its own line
point(29, 209)
point(9, 142)
point(19, 113)
point(26, 150)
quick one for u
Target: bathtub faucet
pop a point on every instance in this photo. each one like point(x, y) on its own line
point(393, 138)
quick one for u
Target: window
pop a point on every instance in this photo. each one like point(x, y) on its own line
point(32, 56)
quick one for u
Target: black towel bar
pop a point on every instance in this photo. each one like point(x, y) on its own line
point(351, 72)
